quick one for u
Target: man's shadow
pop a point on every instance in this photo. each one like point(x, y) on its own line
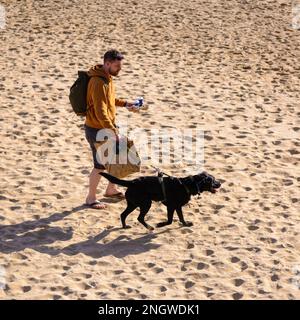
point(17, 237)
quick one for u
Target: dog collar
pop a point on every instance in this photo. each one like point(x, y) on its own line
point(185, 187)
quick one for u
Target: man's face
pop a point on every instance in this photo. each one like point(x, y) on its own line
point(114, 67)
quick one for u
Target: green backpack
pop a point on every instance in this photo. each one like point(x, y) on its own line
point(78, 93)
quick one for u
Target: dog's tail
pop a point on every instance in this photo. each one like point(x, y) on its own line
point(112, 179)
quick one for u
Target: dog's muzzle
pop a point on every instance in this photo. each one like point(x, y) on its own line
point(215, 186)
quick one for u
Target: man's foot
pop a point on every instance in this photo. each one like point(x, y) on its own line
point(96, 205)
point(117, 195)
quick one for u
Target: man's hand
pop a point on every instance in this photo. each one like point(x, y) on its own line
point(118, 137)
point(132, 108)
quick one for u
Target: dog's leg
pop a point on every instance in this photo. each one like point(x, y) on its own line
point(170, 218)
point(125, 213)
point(181, 219)
point(141, 218)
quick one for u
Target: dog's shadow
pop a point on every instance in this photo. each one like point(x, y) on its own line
point(120, 247)
point(38, 235)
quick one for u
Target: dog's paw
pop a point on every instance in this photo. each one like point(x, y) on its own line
point(187, 224)
point(126, 227)
point(150, 228)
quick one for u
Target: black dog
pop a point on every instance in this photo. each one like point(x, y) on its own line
point(172, 192)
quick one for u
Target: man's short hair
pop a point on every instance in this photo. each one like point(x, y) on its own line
point(113, 55)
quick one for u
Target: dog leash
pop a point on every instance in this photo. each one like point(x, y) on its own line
point(161, 181)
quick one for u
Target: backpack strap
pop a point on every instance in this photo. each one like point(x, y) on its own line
point(104, 80)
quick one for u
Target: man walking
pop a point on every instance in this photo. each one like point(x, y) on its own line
point(101, 114)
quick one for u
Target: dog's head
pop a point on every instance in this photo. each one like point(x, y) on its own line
point(206, 182)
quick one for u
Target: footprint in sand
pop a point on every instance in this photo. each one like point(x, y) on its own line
point(159, 270)
point(189, 284)
point(238, 282)
point(209, 252)
point(235, 259)
point(26, 288)
point(150, 265)
point(67, 291)
point(202, 266)
point(253, 228)
point(163, 289)
point(274, 277)
point(66, 268)
point(244, 266)
point(117, 272)
point(183, 268)
point(190, 246)
point(237, 296)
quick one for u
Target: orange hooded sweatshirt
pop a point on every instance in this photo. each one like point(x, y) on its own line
point(101, 101)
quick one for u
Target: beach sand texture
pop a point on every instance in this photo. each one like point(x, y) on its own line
point(229, 68)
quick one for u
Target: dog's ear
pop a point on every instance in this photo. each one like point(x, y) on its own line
point(204, 173)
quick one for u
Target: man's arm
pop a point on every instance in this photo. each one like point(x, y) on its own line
point(120, 102)
point(126, 104)
point(99, 97)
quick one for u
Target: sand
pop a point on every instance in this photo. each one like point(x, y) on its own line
point(230, 68)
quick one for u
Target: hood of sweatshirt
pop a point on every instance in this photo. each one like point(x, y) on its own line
point(97, 71)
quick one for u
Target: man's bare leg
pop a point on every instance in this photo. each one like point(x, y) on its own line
point(94, 180)
point(111, 189)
